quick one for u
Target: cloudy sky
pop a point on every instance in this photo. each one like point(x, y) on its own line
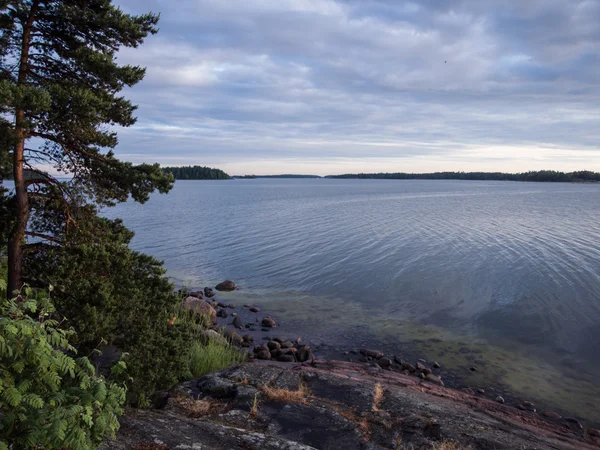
point(337, 86)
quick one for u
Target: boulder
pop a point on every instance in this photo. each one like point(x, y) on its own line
point(286, 358)
point(254, 309)
point(500, 399)
point(233, 337)
point(594, 432)
point(200, 307)
point(552, 415)
point(304, 354)
point(237, 322)
point(264, 354)
point(385, 362)
point(371, 353)
point(226, 285)
point(248, 338)
point(434, 378)
point(287, 344)
point(222, 313)
point(267, 322)
point(274, 345)
point(197, 294)
point(213, 335)
point(209, 292)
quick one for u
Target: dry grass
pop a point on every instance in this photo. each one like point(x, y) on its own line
point(377, 397)
point(200, 408)
point(255, 404)
point(285, 395)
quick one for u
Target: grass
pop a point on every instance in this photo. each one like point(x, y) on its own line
point(285, 395)
point(254, 409)
point(212, 356)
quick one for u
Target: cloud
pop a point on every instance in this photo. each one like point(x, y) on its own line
point(331, 86)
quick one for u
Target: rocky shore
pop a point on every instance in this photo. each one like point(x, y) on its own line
point(270, 352)
point(334, 405)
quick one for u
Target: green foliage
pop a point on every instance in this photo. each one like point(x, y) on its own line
point(211, 356)
point(542, 175)
point(196, 173)
point(48, 397)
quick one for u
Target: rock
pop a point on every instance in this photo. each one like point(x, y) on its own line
point(481, 391)
point(254, 309)
point(436, 365)
point(226, 285)
point(260, 348)
point(473, 369)
point(248, 338)
point(200, 307)
point(222, 313)
point(527, 407)
point(217, 387)
point(213, 335)
point(286, 358)
point(409, 367)
point(552, 415)
point(574, 423)
point(263, 354)
point(304, 354)
point(500, 399)
point(385, 362)
point(275, 354)
point(594, 432)
point(376, 354)
point(247, 306)
point(421, 360)
point(231, 306)
point(420, 366)
point(422, 375)
point(265, 329)
point(232, 336)
point(287, 344)
point(233, 314)
point(245, 344)
point(209, 292)
point(280, 339)
point(197, 294)
point(274, 345)
point(434, 378)
point(268, 322)
point(237, 322)
point(470, 391)
point(221, 305)
point(427, 371)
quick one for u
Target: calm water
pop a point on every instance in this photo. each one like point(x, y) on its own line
point(513, 267)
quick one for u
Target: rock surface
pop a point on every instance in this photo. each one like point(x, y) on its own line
point(331, 405)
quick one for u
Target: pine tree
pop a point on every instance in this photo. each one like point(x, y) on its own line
point(59, 85)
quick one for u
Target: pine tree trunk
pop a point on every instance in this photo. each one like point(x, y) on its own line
point(15, 239)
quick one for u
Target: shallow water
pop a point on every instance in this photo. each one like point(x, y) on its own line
point(510, 270)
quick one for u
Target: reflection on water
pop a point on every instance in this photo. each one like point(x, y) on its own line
point(511, 265)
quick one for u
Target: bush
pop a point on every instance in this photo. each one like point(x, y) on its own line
point(49, 398)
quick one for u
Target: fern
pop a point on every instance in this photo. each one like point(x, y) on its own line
point(49, 399)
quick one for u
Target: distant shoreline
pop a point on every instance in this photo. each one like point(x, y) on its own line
point(552, 176)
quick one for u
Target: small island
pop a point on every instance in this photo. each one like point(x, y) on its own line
point(196, 173)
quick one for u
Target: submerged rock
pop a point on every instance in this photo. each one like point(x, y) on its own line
point(226, 285)
point(238, 323)
point(268, 322)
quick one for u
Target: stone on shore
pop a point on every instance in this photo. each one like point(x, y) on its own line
point(197, 294)
point(226, 285)
point(209, 292)
point(375, 354)
point(200, 307)
point(238, 323)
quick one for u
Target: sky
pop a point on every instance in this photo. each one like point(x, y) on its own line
point(343, 86)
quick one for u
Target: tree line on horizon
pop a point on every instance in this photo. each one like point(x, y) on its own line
point(196, 173)
point(540, 176)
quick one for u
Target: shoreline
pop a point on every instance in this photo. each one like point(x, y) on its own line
point(280, 343)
